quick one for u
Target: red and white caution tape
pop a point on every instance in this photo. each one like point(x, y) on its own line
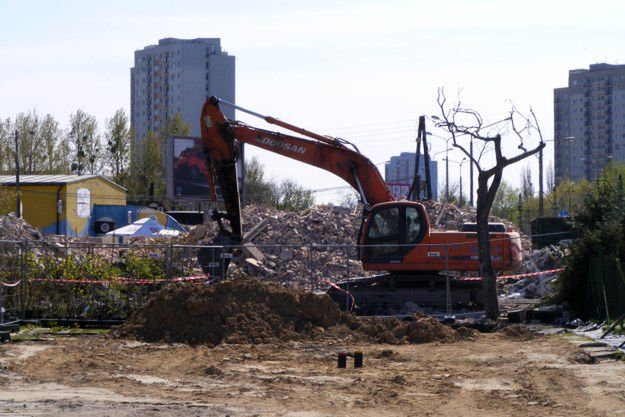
point(10, 284)
point(343, 290)
point(128, 281)
point(518, 276)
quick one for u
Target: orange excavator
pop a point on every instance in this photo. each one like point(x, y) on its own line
point(394, 237)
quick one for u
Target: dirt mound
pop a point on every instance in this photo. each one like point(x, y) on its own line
point(518, 332)
point(252, 311)
point(237, 311)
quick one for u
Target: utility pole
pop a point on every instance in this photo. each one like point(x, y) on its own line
point(541, 207)
point(426, 159)
point(415, 189)
point(18, 206)
point(447, 174)
point(471, 173)
point(460, 197)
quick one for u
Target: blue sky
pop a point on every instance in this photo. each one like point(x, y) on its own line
point(331, 66)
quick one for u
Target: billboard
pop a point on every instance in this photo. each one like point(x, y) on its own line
point(186, 169)
point(398, 189)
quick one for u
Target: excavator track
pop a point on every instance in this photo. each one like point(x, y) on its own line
point(392, 293)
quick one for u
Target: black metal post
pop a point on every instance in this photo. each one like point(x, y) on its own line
point(541, 205)
point(447, 174)
point(471, 174)
point(18, 206)
point(460, 198)
point(426, 159)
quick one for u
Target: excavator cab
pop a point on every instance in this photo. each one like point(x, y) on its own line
point(391, 230)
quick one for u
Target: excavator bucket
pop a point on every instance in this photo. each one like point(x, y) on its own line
point(214, 259)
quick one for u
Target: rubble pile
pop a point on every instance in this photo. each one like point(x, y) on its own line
point(548, 258)
point(252, 311)
point(293, 247)
point(14, 228)
point(320, 225)
point(447, 216)
point(304, 247)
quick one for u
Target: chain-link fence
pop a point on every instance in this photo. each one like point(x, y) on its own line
point(88, 280)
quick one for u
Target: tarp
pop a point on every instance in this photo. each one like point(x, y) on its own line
point(143, 227)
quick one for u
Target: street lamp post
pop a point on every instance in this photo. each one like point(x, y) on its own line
point(460, 163)
point(446, 169)
point(460, 168)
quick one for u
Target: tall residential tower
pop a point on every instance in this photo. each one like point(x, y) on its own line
point(589, 122)
point(176, 76)
point(400, 169)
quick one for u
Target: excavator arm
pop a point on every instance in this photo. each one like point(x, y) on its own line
point(220, 139)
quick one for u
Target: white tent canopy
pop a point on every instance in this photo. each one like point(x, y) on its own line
point(144, 227)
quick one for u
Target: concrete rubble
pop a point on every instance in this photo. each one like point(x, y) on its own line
point(548, 258)
point(14, 228)
point(304, 248)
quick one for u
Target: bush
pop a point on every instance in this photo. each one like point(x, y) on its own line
point(587, 258)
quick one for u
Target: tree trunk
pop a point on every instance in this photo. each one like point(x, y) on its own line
point(485, 199)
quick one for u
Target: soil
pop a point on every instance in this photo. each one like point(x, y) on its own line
point(490, 375)
point(253, 311)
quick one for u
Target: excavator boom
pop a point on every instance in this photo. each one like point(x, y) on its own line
point(331, 154)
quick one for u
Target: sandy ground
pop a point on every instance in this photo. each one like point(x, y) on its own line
point(493, 375)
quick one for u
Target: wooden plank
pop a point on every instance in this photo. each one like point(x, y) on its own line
point(256, 230)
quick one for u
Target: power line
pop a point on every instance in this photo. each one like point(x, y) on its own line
point(370, 124)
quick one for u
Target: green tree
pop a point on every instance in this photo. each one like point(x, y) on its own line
point(257, 190)
point(527, 187)
point(147, 170)
point(86, 150)
point(505, 204)
point(592, 282)
point(6, 153)
point(175, 126)
point(42, 147)
point(118, 138)
point(147, 161)
point(293, 197)
point(7, 200)
point(55, 146)
point(32, 155)
point(147, 166)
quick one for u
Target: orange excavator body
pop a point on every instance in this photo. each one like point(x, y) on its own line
point(395, 235)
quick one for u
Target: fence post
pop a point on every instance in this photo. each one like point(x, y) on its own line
point(310, 269)
point(222, 262)
point(22, 279)
point(447, 283)
point(168, 254)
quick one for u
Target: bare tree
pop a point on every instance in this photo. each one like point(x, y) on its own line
point(466, 125)
point(348, 199)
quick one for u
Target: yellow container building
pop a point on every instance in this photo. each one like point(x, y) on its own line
point(63, 204)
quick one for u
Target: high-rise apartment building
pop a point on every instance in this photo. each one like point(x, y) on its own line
point(589, 122)
point(400, 169)
point(176, 76)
